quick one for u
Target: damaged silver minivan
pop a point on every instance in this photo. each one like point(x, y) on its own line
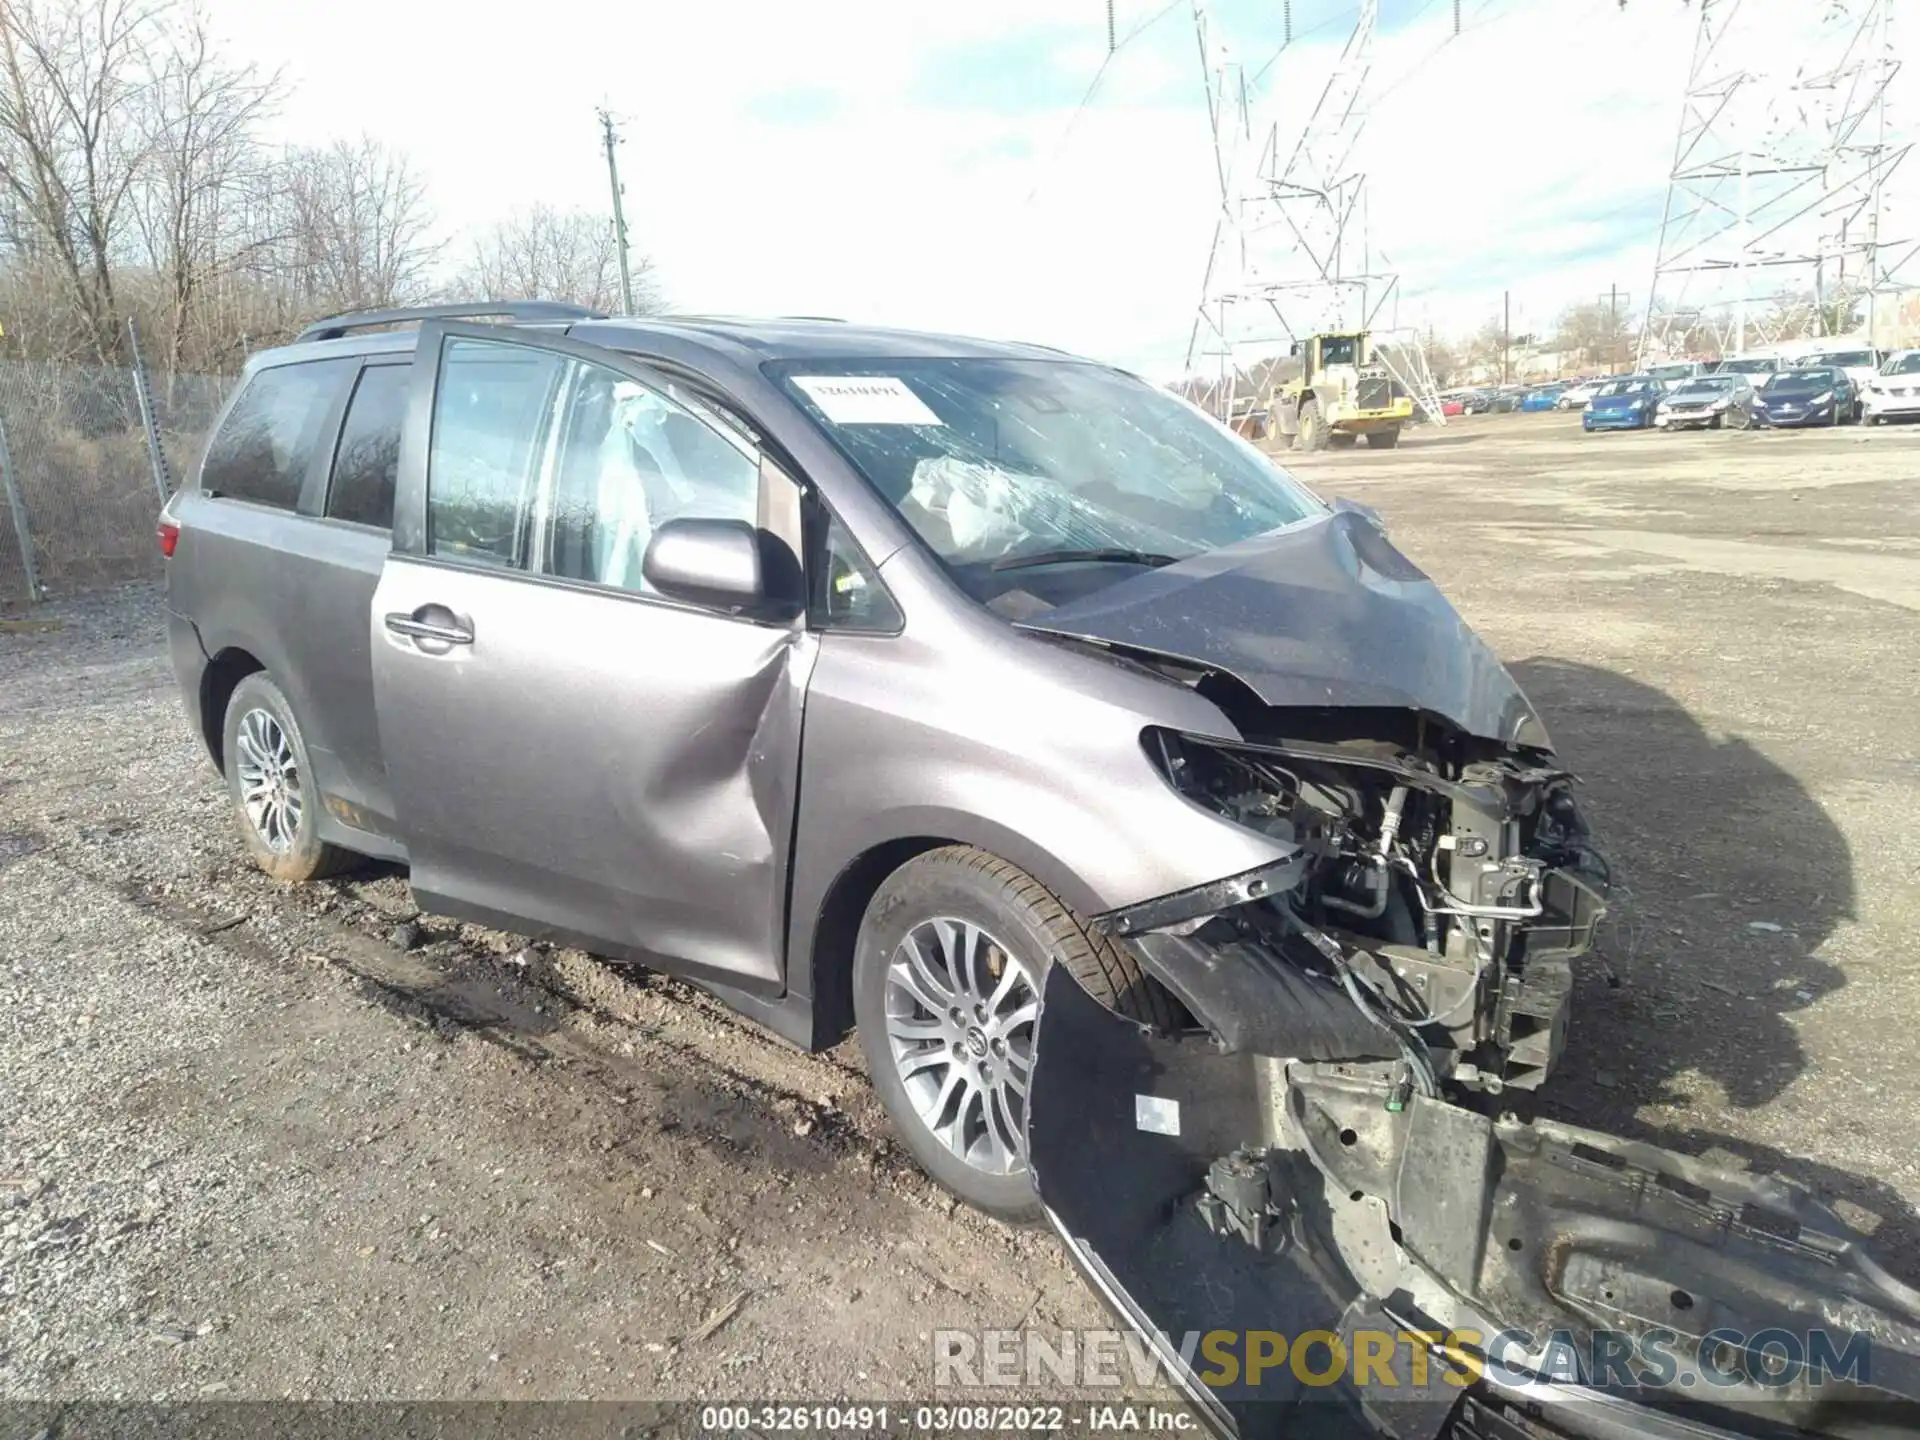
point(1192, 875)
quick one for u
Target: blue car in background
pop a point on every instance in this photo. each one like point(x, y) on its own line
point(1627, 403)
point(1545, 397)
point(1819, 395)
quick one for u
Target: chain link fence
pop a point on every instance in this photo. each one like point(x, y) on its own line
point(80, 499)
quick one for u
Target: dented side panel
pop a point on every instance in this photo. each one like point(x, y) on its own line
point(606, 768)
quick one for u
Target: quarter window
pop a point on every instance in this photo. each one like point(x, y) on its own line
point(847, 594)
point(267, 442)
point(628, 460)
point(368, 457)
point(490, 418)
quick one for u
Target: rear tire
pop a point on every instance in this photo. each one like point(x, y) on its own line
point(948, 1036)
point(1342, 442)
point(276, 801)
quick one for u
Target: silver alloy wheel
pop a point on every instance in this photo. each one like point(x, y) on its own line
point(269, 780)
point(960, 1020)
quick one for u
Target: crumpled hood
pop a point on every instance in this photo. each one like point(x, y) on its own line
point(1326, 613)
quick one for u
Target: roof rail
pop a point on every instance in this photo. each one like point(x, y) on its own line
point(530, 312)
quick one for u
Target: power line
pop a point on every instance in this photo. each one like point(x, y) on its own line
point(1114, 47)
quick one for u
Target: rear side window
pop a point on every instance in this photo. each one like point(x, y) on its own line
point(263, 450)
point(368, 458)
point(490, 415)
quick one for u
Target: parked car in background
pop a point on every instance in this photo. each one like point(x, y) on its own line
point(1749, 365)
point(1709, 402)
point(1894, 393)
point(1506, 399)
point(1625, 403)
point(1452, 405)
point(1677, 370)
point(1860, 363)
point(1543, 397)
point(1808, 396)
point(1576, 395)
point(1476, 402)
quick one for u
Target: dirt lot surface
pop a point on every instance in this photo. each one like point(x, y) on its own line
point(257, 1141)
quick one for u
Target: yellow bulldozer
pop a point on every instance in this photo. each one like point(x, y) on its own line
point(1331, 389)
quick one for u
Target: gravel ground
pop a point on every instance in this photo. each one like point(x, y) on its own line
point(268, 1141)
point(258, 1141)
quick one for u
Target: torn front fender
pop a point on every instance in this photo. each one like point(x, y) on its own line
point(1269, 1225)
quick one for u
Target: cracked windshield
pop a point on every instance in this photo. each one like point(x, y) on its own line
point(1003, 464)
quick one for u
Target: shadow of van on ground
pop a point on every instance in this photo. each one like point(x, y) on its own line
point(1729, 879)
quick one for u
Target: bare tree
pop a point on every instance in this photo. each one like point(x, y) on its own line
point(1443, 360)
point(1596, 333)
point(73, 75)
point(205, 165)
point(1489, 347)
point(545, 254)
point(353, 227)
point(135, 178)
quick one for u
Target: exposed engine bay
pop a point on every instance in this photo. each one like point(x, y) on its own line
point(1446, 896)
point(1323, 1151)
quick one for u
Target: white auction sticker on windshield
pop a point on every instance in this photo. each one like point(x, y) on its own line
point(866, 400)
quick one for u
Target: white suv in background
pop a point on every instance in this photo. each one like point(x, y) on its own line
point(1894, 392)
point(1860, 362)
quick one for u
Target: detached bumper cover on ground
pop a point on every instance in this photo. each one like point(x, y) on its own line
point(1269, 1224)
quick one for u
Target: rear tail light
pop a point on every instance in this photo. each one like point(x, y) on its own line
point(169, 534)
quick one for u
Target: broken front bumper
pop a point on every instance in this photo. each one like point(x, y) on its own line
point(1309, 1254)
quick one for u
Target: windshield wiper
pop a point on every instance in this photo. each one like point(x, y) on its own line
point(1110, 556)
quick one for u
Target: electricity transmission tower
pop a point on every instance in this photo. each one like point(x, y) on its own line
point(1291, 255)
point(1773, 226)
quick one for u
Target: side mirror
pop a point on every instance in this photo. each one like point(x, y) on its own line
point(706, 562)
point(1366, 512)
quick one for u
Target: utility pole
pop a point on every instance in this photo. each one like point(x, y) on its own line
point(611, 138)
point(1506, 335)
point(1884, 17)
point(1614, 298)
point(1740, 267)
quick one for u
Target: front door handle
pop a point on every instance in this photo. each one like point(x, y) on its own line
point(435, 633)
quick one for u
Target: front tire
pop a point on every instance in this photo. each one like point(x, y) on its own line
point(276, 800)
point(947, 974)
point(1313, 432)
point(1384, 439)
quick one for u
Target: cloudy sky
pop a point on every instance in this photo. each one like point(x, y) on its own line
point(934, 164)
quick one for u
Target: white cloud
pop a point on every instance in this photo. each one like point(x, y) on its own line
point(1508, 159)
